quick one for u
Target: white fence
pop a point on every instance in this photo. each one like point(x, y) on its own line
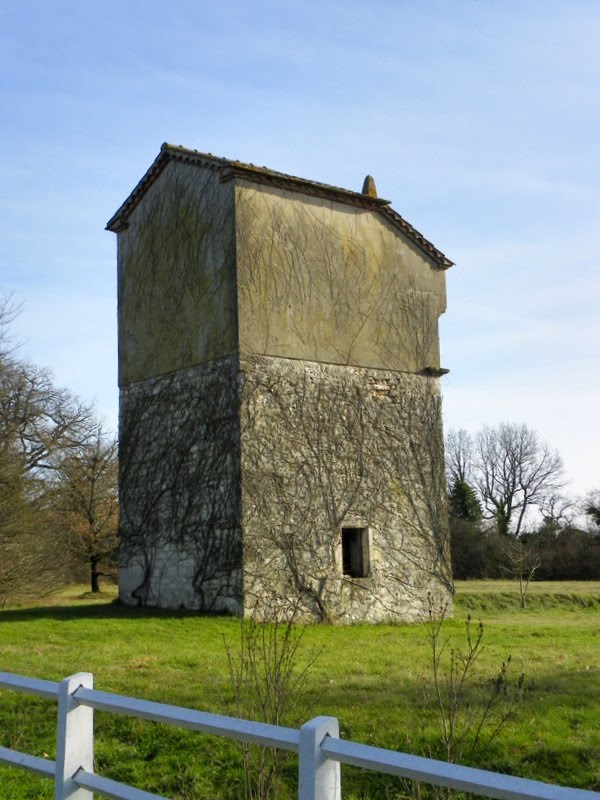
point(320, 749)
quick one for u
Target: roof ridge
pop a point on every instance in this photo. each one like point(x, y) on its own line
point(232, 169)
point(244, 166)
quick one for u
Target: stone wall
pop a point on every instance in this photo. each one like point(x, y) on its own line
point(239, 476)
point(327, 447)
point(180, 490)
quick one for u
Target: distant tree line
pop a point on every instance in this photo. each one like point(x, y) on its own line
point(58, 480)
point(509, 516)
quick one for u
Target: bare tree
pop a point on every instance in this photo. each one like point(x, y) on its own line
point(592, 507)
point(87, 495)
point(471, 711)
point(9, 311)
point(39, 425)
point(558, 511)
point(524, 563)
point(514, 472)
point(38, 421)
point(459, 456)
point(268, 678)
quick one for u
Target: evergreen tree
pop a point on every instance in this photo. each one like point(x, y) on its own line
point(463, 502)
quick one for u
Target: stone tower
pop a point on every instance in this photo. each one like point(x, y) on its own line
point(280, 420)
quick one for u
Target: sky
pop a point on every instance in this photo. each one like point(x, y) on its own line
point(477, 119)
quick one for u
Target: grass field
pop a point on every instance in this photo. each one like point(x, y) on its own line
point(375, 679)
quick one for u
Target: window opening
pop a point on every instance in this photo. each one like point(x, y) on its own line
point(355, 552)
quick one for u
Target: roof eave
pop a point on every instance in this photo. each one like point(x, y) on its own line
point(119, 220)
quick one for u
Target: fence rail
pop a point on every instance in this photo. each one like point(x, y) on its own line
point(317, 742)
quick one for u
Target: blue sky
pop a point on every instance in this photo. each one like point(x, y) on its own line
point(478, 120)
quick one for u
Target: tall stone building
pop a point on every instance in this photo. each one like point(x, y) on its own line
point(280, 422)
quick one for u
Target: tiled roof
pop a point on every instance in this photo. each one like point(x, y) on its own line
point(236, 169)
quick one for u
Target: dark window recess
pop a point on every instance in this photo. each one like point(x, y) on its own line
point(355, 552)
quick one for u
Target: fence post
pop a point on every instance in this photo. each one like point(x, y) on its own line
point(318, 777)
point(75, 739)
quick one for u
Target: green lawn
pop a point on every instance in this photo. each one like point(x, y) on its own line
point(375, 679)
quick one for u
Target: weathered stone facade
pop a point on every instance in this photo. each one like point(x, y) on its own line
point(327, 449)
point(280, 417)
point(180, 489)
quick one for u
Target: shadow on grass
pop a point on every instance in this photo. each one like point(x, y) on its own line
point(112, 610)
